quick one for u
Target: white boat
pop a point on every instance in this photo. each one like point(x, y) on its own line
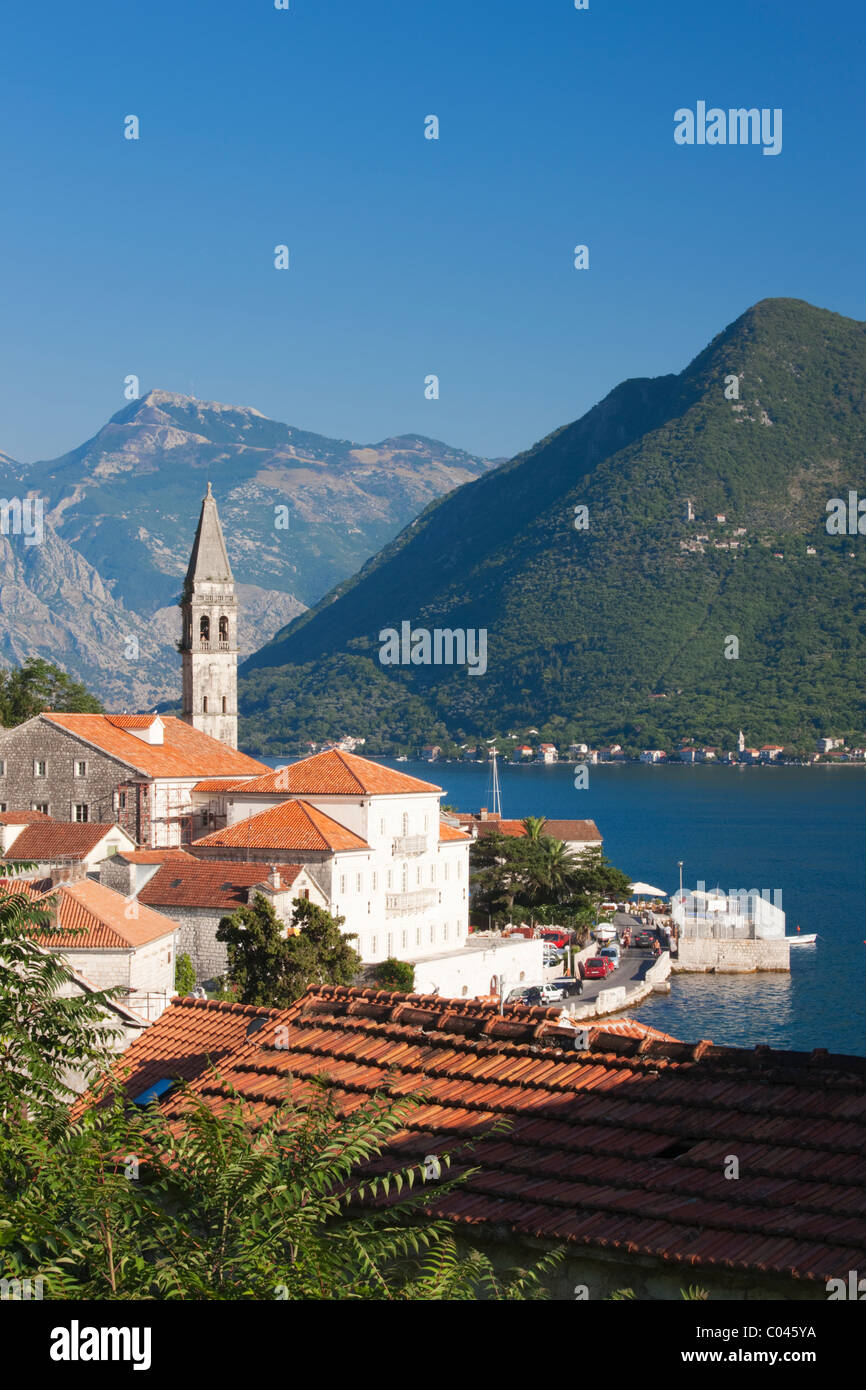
point(804, 939)
point(604, 932)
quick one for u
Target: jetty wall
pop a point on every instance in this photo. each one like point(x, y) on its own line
point(703, 954)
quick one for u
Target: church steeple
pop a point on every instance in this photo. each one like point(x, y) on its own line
point(209, 645)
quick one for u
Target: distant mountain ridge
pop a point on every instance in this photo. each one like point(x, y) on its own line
point(121, 510)
point(619, 630)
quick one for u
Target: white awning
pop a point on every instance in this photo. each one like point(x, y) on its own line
point(646, 890)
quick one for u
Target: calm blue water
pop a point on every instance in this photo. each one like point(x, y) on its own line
point(798, 830)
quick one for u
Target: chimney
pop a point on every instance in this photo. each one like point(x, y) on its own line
point(483, 813)
point(275, 880)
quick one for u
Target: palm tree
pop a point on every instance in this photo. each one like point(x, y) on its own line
point(534, 827)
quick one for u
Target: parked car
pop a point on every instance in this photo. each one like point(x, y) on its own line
point(595, 968)
point(567, 985)
point(541, 994)
point(644, 940)
point(517, 996)
point(613, 953)
point(550, 955)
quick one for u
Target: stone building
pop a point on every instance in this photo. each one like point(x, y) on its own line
point(198, 894)
point(209, 644)
point(136, 769)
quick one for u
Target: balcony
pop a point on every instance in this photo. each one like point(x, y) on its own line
point(409, 844)
point(206, 646)
point(408, 904)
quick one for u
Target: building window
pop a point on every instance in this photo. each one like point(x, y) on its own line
point(432, 933)
point(304, 893)
point(342, 883)
point(405, 823)
point(204, 704)
point(426, 822)
point(390, 877)
point(417, 936)
point(381, 827)
point(2, 807)
point(204, 629)
point(80, 811)
point(368, 909)
point(224, 629)
point(418, 874)
point(405, 878)
point(121, 801)
point(404, 941)
point(459, 868)
point(446, 872)
point(374, 945)
point(225, 705)
point(375, 880)
point(2, 768)
point(39, 806)
point(357, 883)
point(445, 932)
point(432, 873)
point(39, 767)
point(80, 769)
point(169, 956)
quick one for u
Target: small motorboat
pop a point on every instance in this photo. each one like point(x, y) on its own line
point(804, 939)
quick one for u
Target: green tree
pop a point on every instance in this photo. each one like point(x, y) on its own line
point(265, 966)
point(45, 1033)
point(217, 1204)
point(395, 974)
point(184, 974)
point(38, 685)
point(534, 826)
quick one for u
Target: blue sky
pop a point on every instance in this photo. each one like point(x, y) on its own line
point(408, 256)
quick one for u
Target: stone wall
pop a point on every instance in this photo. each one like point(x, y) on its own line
point(702, 954)
point(60, 788)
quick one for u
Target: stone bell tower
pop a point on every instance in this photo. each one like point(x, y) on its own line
point(209, 645)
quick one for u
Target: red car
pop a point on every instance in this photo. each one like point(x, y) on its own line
point(596, 968)
point(557, 938)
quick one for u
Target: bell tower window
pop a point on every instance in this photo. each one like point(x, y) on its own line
point(204, 704)
point(224, 629)
point(204, 628)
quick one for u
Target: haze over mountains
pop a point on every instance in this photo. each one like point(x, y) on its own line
point(120, 516)
point(620, 631)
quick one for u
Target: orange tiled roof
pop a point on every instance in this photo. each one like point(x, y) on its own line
point(57, 839)
point(450, 832)
point(186, 751)
point(132, 721)
point(209, 883)
point(619, 1149)
point(221, 784)
point(558, 829)
point(97, 914)
point(151, 856)
point(335, 773)
point(292, 825)
point(22, 817)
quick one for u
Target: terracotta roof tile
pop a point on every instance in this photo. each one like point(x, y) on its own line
point(186, 751)
point(208, 883)
point(617, 1148)
point(339, 774)
point(57, 839)
point(291, 825)
point(450, 832)
point(96, 918)
point(22, 817)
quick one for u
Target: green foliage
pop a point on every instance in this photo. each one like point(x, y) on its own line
point(44, 1036)
point(184, 974)
point(223, 1206)
point(395, 974)
point(617, 633)
point(266, 967)
point(39, 685)
point(539, 880)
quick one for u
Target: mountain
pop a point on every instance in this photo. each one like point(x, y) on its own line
point(619, 631)
point(121, 511)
